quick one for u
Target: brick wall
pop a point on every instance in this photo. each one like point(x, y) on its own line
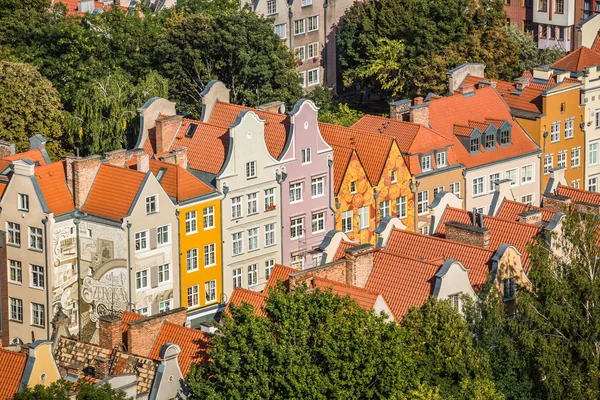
point(110, 332)
point(587, 208)
point(516, 13)
point(165, 130)
point(556, 203)
point(141, 333)
point(84, 173)
point(468, 234)
point(532, 217)
point(359, 264)
point(181, 156)
point(419, 113)
point(118, 158)
point(335, 271)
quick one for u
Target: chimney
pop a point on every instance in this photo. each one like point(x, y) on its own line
point(141, 333)
point(521, 82)
point(274, 107)
point(37, 142)
point(400, 109)
point(111, 332)
point(84, 173)
point(419, 112)
point(469, 234)
point(359, 264)
point(168, 158)
point(181, 156)
point(118, 158)
point(69, 167)
point(101, 367)
point(24, 168)
point(6, 149)
point(457, 76)
point(143, 162)
point(165, 130)
point(542, 73)
point(532, 216)
point(213, 92)
point(587, 208)
point(466, 88)
point(555, 202)
point(486, 83)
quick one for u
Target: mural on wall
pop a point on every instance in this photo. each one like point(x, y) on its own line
point(363, 196)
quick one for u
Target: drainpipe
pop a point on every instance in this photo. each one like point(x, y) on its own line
point(330, 165)
point(179, 252)
point(129, 264)
point(223, 295)
point(48, 305)
point(290, 16)
point(77, 221)
point(545, 134)
point(414, 186)
point(582, 159)
point(280, 177)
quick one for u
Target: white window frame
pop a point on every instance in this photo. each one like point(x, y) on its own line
point(16, 307)
point(569, 128)
point(269, 264)
point(593, 184)
point(210, 291)
point(38, 315)
point(271, 7)
point(491, 180)
point(318, 218)
point(164, 273)
point(269, 198)
point(347, 221)
point(237, 277)
point(191, 259)
point(253, 239)
point(317, 187)
point(575, 157)
point(280, 26)
point(302, 76)
point(36, 276)
point(151, 204)
point(312, 50)
point(296, 228)
point(191, 222)
point(306, 155)
point(455, 188)
point(236, 207)
point(384, 208)
point(363, 218)
point(36, 239)
point(524, 178)
point(252, 275)
point(142, 280)
point(300, 53)
point(16, 267)
point(252, 203)
point(305, 3)
point(23, 202)
point(237, 242)
point(297, 262)
point(13, 231)
point(426, 163)
point(308, 23)
point(295, 192)
point(313, 82)
point(251, 167)
point(514, 182)
point(478, 186)
point(210, 255)
point(208, 217)
point(548, 163)
point(296, 26)
point(401, 209)
point(394, 176)
point(165, 306)
point(193, 292)
point(423, 202)
point(524, 199)
point(561, 163)
point(160, 233)
point(593, 152)
point(270, 234)
point(555, 132)
point(141, 237)
point(441, 159)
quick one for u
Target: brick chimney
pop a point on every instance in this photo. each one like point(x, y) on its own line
point(143, 162)
point(274, 107)
point(165, 130)
point(84, 173)
point(359, 264)
point(400, 109)
point(466, 88)
point(486, 83)
point(6, 149)
point(521, 82)
point(419, 112)
point(587, 208)
point(141, 333)
point(532, 217)
point(101, 367)
point(468, 234)
point(111, 332)
point(118, 158)
point(555, 202)
point(181, 156)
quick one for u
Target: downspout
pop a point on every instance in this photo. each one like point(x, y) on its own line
point(543, 162)
point(290, 16)
point(225, 190)
point(177, 213)
point(280, 177)
point(48, 305)
point(129, 264)
point(582, 162)
point(413, 187)
point(330, 165)
point(77, 221)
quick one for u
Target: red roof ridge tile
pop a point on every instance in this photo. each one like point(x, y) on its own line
point(493, 218)
point(444, 239)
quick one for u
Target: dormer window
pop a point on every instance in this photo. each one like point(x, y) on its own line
point(504, 137)
point(490, 141)
point(441, 159)
point(426, 163)
point(474, 145)
point(353, 187)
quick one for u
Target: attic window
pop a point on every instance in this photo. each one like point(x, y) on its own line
point(161, 174)
point(504, 137)
point(474, 145)
point(191, 130)
point(490, 141)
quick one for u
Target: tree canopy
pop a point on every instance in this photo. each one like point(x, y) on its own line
point(60, 390)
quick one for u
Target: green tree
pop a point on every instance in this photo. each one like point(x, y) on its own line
point(309, 345)
point(207, 6)
point(30, 106)
point(444, 353)
point(60, 390)
point(104, 113)
point(239, 48)
point(529, 55)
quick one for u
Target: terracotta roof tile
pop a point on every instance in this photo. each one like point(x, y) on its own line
point(502, 231)
point(35, 156)
point(596, 44)
point(341, 250)
point(341, 158)
point(279, 273)
point(428, 248)
point(578, 195)
point(52, 179)
point(192, 342)
point(462, 130)
point(178, 182)
point(255, 299)
point(529, 100)
point(113, 192)
point(403, 282)
point(129, 316)
point(578, 60)
point(276, 125)
point(446, 112)
point(405, 133)
point(510, 210)
point(538, 83)
point(364, 297)
point(372, 149)
point(12, 366)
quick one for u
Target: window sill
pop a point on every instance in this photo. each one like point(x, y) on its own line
point(270, 245)
point(210, 228)
point(237, 218)
point(318, 196)
point(22, 209)
point(297, 202)
point(210, 266)
point(16, 283)
point(35, 250)
point(237, 255)
point(15, 320)
point(38, 326)
point(252, 251)
point(152, 213)
point(14, 245)
point(250, 177)
point(210, 302)
point(36, 288)
point(527, 183)
point(192, 270)
point(190, 233)
point(142, 289)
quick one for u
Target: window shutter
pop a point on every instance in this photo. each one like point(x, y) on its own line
point(152, 238)
point(154, 277)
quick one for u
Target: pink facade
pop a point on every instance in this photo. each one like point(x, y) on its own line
point(307, 189)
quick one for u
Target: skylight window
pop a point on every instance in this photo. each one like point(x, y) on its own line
point(191, 130)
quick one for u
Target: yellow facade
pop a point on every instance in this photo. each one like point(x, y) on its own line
point(201, 239)
point(363, 196)
point(560, 105)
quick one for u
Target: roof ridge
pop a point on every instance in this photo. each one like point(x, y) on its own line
point(345, 285)
point(121, 168)
point(356, 130)
point(391, 253)
point(492, 217)
point(444, 239)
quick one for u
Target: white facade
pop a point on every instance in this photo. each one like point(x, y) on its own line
point(555, 20)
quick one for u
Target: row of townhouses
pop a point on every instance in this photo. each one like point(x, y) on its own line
point(202, 207)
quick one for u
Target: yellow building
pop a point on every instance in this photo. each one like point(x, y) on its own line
point(199, 213)
point(371, 182)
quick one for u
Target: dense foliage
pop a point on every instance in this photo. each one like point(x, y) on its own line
point(405, 47)
point(60, 390)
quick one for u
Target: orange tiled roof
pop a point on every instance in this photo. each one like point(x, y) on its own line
point(192, 342)
point(364, 297)
point(341, 250)
point(403, 282)
point(529, 100)
point(178, 182)
point(12, 366)
point(413, 139)
point(52, 179)
point(540, 84)
point(502, 231)
point(206, 149)
point(279, 273)
point(486, 103)
point(578, 60)
point(341, 157)
point(372, 149)
point(35, 156)
point(429, 248)
point(578, 195)
point(596, 44)
point(129, 316)
point(113, 192)
point(255, 299)
point(276, 125)
point(510, 210)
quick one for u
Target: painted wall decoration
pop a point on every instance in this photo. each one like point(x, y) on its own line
point(364, 195)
